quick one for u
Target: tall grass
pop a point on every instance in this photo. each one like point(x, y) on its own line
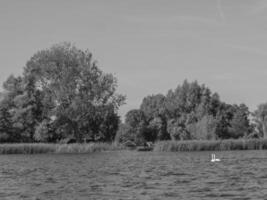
point(27, 148)
point(186, 145)
point(87, 148)
point(38, 148)
point(211, 145)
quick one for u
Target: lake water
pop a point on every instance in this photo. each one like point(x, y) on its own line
point(135, 175)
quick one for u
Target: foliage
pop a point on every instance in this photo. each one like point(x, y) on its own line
point(62, 93)
point(6, 130)
point(135, 120)
point(177, 130)
point(125, 133)
point(239, 125)
point(45, 133)
point(191, 111)
point(157, 129)
point(260, 119)
point(153, 106)
point(204, 129)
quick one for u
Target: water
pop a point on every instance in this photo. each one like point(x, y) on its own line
point(135, 175)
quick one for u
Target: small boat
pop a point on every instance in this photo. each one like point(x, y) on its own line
point(213, 159)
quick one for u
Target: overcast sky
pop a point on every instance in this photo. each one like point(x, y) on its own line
point(151, 46)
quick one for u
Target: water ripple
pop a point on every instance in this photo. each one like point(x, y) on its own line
point(134, 175)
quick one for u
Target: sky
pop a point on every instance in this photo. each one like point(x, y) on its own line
point(151, 46)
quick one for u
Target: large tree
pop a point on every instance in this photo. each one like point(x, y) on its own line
point(79, 93)
point(63, 93)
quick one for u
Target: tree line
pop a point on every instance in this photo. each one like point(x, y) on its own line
point(191, 112)
point(63, 94)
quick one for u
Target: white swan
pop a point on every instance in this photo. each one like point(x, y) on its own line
point(213, 159)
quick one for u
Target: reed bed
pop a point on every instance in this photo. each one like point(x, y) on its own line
point(40, 148)
point(168, 146)
point(27, 148)
point(211, 145)
point(87, 147)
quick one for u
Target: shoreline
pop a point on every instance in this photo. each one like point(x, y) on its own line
point(53, 148)
point(211, 145)
point(161, 146)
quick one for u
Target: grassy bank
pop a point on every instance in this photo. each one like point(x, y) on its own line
point(38, 148)
point(168, 146)
point(209, 145)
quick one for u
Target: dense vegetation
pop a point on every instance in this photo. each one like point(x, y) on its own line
point(38, 148)
point(61, 94)
point(191, 112)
